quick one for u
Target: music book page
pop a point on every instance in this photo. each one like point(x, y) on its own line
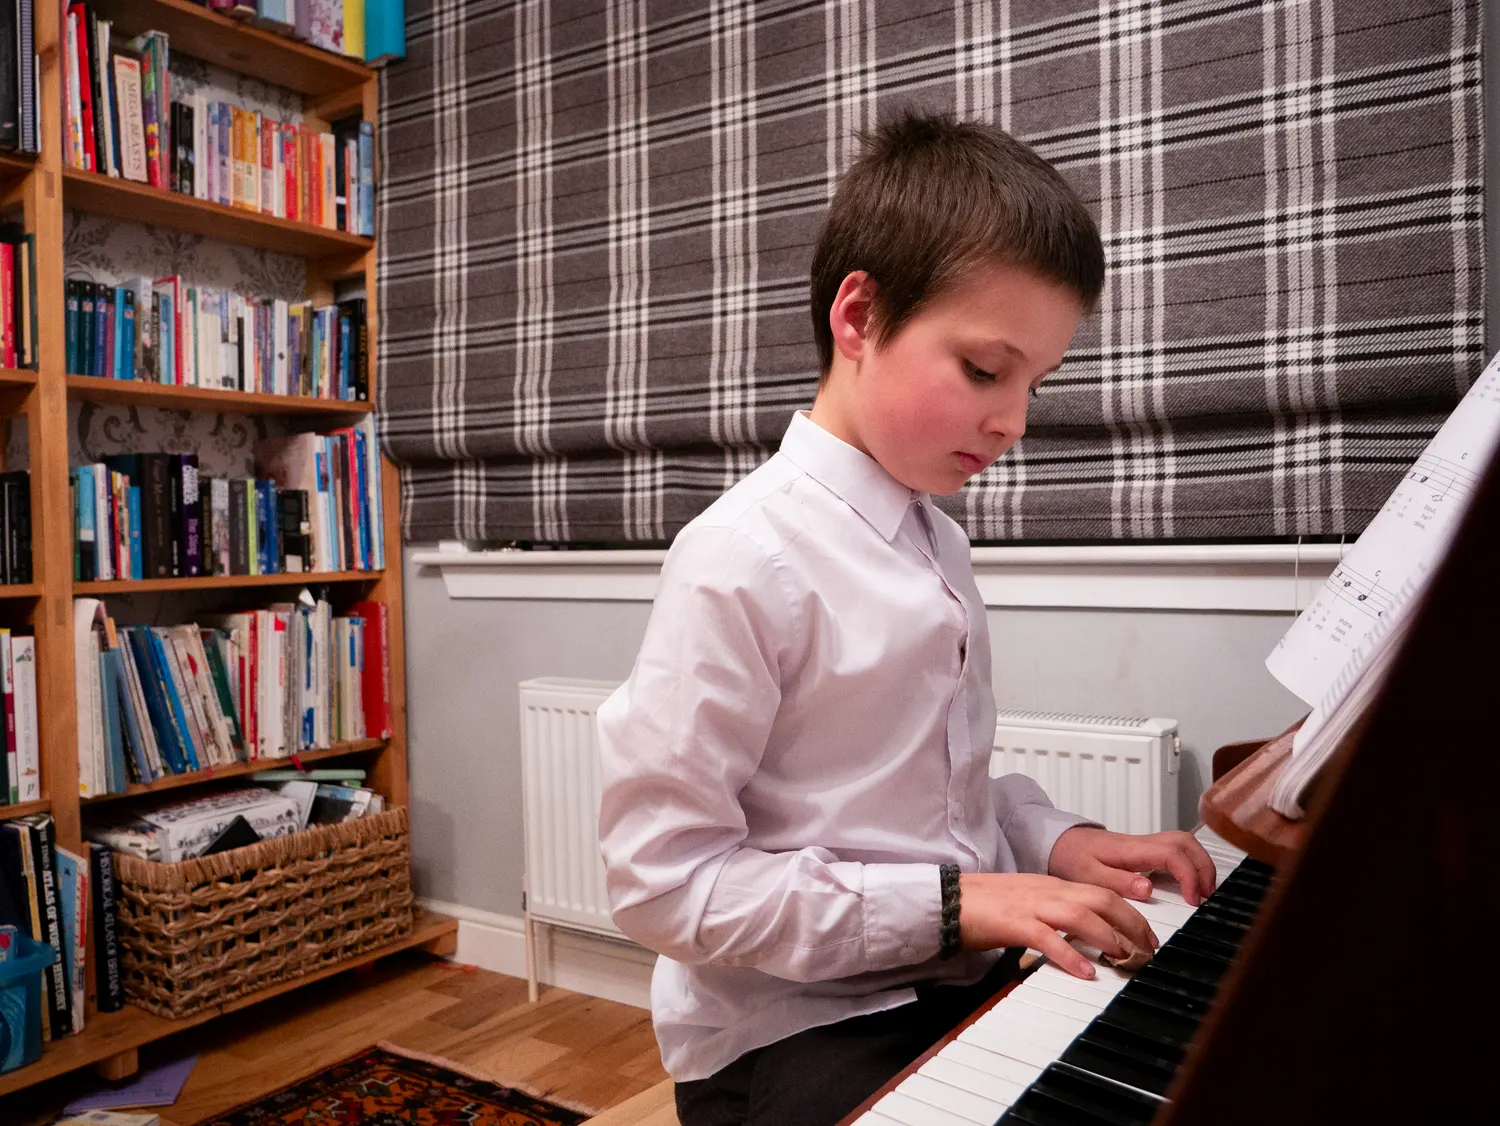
point(1337, 652)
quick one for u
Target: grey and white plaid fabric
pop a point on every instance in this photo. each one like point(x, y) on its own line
point(597, 218)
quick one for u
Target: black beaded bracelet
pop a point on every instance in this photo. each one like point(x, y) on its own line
point(948, 940)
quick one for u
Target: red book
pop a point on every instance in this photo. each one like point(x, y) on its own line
point(85, 87)
point(375, 680)
point(289, 164)
point(8, 303)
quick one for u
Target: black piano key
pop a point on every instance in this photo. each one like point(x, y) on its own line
point(1173, 1000)
point(1228, 912)
point(1208, 929)
point(1065, 1096)
point(1149, 1021)
point(1188, 964)
point(1210, 951)
point(1166, 979)
point(1252, 867)
point(1111, 1051)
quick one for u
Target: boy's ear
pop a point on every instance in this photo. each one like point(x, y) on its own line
point(850, 316)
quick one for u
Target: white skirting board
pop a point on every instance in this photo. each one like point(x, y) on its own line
point(584, 963)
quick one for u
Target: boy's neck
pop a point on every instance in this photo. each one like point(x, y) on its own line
point(831, 412)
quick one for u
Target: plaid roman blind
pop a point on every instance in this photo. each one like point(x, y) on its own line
point(597, 219)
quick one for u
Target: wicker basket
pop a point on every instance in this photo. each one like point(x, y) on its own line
point(201, 933)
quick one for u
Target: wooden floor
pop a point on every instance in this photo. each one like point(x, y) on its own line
point(579, 1049)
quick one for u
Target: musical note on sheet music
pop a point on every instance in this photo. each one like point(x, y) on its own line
point(1392, 559)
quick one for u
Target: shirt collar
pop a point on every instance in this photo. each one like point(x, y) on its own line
point(854, 477)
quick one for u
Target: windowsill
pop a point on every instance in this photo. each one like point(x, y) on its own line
point(1266, 578)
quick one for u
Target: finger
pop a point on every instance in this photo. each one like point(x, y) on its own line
point(1060, 954)
point(1078, 920)
point(1186, 875)
point(1129, 885)
point(1128, 921)
point(1208, 876)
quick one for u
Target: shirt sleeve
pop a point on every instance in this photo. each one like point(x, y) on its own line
point(1028, 820)
point(679, 740)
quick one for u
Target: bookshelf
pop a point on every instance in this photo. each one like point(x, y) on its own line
point(41, 188)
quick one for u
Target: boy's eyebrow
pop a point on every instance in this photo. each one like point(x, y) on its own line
point(1014, 351)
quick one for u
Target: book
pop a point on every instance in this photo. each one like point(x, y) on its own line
point(10, 758)
point(385, 32)
point(132, 131)
point(1339, 651)
point(26, 776)
point(73, 900)
point(108, 984)
point(56, 985)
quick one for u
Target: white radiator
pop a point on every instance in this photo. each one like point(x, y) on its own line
point(1120, 772)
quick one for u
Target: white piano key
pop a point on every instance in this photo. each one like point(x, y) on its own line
point(955, 1100)
point(974, 1056)
point(871, 1118)
point(1160, 911)
point(910, 1112)
point(1037, 1052)
point(1210, 839)
point(1031, 993)
point(1098, 992)
point(1020, 1019)
point(997, 1089)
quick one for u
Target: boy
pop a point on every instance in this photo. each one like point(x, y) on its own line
point(797, 813)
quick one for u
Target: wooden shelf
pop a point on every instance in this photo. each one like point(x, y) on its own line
point(222, 582)
point(17, 377)
point(141, 203)
point(239, 769)
point(112, 1034)
point(237, 46)
point(24, 809)
point(97, 389)
point(15, 166)
point(20, 590)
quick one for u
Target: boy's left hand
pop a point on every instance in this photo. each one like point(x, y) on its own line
point(1115, 861)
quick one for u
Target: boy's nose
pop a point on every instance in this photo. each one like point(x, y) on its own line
point(1009, 422)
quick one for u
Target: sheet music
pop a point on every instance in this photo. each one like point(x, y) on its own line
point(1392, 560)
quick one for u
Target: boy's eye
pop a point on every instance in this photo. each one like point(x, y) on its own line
point(979, 375)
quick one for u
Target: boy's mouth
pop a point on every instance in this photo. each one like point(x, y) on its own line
point(971, 463)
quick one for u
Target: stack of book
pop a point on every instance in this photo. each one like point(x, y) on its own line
point(163, 331)
point(21, 762)
point(256, 684)
point(45, 892)
point(123, 121)
point(15, 527)
point(17, 296)
point(20, 127)
point(372, 30)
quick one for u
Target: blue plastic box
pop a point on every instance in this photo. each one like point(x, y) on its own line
point(21, 1002)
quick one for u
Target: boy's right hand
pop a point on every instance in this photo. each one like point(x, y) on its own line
point(1015, 909)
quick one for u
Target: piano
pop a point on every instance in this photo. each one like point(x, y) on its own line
point(1342, 971)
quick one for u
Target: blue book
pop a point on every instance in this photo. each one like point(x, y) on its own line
point(168, 739)
point(361, 501)
point(265, 546)
point(167, 345)
point(385, 30)
point(109, 719)
point(102, 295)
point(127, 354)
point(174, 700)
point(87, 292)
point(117, 309)
point(130, 725)
point(367, 160)
point(133, 506)
point(67, 894)
point(88, 544)
point(72, 327)
point(346, 387)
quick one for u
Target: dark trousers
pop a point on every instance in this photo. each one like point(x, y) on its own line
point(816, 1077)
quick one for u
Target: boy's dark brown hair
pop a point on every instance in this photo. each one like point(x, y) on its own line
point(930, 197)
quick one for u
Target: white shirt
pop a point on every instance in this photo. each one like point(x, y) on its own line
point(804, 738)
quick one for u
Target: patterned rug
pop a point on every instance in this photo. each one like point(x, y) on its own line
point(378, 1087)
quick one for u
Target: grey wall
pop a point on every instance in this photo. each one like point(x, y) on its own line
point(464, 659)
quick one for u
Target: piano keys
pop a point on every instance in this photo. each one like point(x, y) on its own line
point(1063, 1051)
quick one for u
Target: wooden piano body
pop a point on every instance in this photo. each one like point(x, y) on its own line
point(1366, 989)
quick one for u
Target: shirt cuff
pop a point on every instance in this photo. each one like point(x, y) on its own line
point(1033, 829)
point(903, 914)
